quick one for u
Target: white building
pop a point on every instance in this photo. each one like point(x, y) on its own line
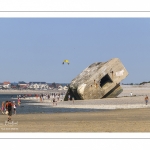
point(6, 85)
point(22, 84)
point(60, 87)
point(1, 85)
point(38, 85)
point(65, 88)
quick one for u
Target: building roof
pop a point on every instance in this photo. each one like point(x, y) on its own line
point(22, 82)
point(6, 82)
point(23, 86)
point(37, 82)
point(14, 83)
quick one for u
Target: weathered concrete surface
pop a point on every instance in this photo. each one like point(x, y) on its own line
point(99, 80)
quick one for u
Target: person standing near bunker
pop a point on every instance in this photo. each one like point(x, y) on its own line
point(73, 100)
point(69, 97)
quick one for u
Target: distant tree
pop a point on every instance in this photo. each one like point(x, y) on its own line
point(143, 83)
point(17, 87)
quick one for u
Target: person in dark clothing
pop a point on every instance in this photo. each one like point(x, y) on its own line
point(9, 106)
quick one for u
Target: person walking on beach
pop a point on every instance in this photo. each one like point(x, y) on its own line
point(146, 100)
point(19, 101)
point(57, 97)
point(14, 105)
point(9, 106)
point(73, 100)
point(37, 96)
point(53, 99)
point(40, 98)
point(131, 94)
point(68, 97)
point(48, 96)
point(3, 107)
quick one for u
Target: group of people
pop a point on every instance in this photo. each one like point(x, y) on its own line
point(52, 96)
point(55, 97)
point(8, 107)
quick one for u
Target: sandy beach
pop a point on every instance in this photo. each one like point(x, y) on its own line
point(121, 114)
point(132, 120)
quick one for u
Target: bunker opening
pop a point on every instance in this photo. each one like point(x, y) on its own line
point(105, 81)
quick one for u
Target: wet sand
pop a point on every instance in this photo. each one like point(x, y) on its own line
point(121, 120)
point(122, 114)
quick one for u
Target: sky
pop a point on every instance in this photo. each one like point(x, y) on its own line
point(33, 49)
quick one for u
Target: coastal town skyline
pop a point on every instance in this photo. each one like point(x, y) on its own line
point(33, 49)
point(15, 82)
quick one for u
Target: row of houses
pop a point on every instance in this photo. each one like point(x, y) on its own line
point(33, 85)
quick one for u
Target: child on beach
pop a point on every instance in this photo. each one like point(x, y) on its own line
point(19, 101)
point(14, 105)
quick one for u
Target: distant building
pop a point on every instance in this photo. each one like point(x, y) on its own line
point(22, 85)
point(38, 85)
point(1, 85)
point(60, 87)
point(65, 88)
point(55, 85)
point(14, 85)
point(6, 85)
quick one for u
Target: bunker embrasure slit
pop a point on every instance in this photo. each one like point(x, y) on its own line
point(105, 80)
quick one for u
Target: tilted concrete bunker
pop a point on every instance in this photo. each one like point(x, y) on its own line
point(99, 80)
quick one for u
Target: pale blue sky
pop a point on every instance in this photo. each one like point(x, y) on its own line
point(32, 49)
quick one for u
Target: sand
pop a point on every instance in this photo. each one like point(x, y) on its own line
point(127, 120)
point(122, 114)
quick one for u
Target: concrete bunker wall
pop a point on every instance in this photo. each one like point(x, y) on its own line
point(99, 80)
